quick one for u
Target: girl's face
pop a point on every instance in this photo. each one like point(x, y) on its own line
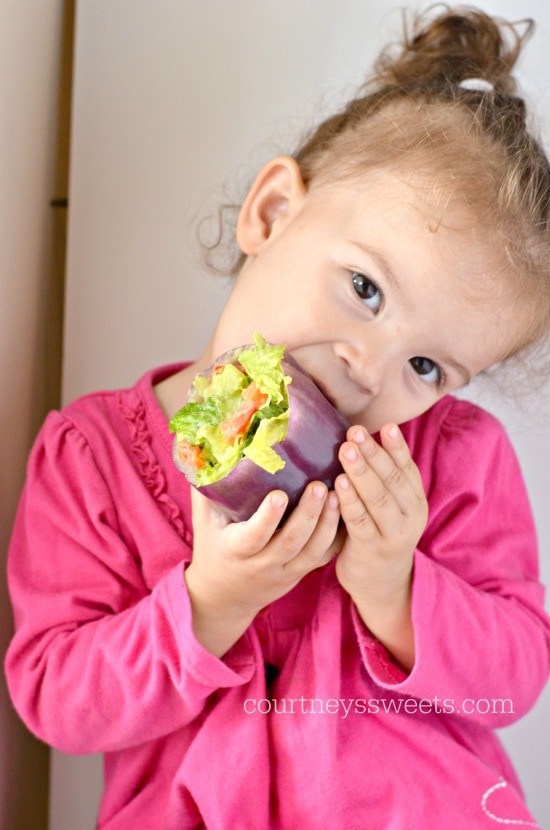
point(387, 309)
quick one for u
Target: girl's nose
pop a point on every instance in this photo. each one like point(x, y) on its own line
point(367, 367)
point(369, 374)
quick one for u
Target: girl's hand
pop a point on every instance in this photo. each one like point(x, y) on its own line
point(239, 568)
point(384, 507)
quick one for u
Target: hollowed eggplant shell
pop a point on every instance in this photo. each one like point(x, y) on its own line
point(310, 451)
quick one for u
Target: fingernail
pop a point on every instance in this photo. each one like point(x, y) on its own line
point(393, 431)
point(359, 435)
point(350, 453)
point(319, 491)
point(278, 499)
point(343, 482)
point(333, 501)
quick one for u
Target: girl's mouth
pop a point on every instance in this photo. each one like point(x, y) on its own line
point(330, 398)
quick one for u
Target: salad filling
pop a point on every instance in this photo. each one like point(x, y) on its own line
point(236, 409)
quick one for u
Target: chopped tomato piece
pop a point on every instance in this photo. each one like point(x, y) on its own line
point(236, 425)
point(219, 367)
point(253, 393)
point(190, 455)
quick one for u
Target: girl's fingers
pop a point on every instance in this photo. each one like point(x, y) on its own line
point(250, 537)
point(307, 526)
point(261, 531)
point(320, 546)
point(307, 536)
point(394, 444)
point(354, 510)
point(365, 496)
point(382, 474)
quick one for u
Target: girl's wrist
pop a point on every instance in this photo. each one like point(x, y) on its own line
point(217, 624)
point(389, 619)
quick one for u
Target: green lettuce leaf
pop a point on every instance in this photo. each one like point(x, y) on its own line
point(263, 365)
point(226, 384)
point(260, 450)
point(219, 396)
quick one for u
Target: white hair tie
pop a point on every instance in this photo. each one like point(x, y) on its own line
point(476, 85)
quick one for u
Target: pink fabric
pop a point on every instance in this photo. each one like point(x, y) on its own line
point(104, 657)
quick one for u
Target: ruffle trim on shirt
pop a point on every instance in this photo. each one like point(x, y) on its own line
point(134, 411)
point(376, 657)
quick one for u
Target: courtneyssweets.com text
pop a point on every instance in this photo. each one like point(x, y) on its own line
point(343, 707)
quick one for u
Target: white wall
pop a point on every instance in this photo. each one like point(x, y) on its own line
point(172, 99)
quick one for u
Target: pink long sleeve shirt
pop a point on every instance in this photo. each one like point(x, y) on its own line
point(306, 722)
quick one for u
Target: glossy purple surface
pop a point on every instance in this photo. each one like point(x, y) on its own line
point(315, 432)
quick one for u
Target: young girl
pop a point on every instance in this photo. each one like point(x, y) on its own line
point(347, 669)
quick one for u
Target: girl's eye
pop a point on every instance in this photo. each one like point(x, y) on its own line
point(427, 370)
point(368, 291)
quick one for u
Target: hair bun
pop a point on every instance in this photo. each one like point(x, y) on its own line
point(452, 46)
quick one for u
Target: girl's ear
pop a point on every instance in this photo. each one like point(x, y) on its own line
point(278, 192)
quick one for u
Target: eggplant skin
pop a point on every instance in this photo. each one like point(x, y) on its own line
point(310, 451)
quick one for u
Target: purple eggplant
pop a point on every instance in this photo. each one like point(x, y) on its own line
point(309, 450)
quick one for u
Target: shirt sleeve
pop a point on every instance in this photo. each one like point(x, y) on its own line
point(482, 638)
point(98, 661)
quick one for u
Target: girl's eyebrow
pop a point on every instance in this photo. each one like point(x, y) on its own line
point(382, 264)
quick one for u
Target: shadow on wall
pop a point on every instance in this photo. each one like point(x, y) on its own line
point(33, 291)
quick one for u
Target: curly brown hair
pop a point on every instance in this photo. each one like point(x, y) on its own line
point(443, 102)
